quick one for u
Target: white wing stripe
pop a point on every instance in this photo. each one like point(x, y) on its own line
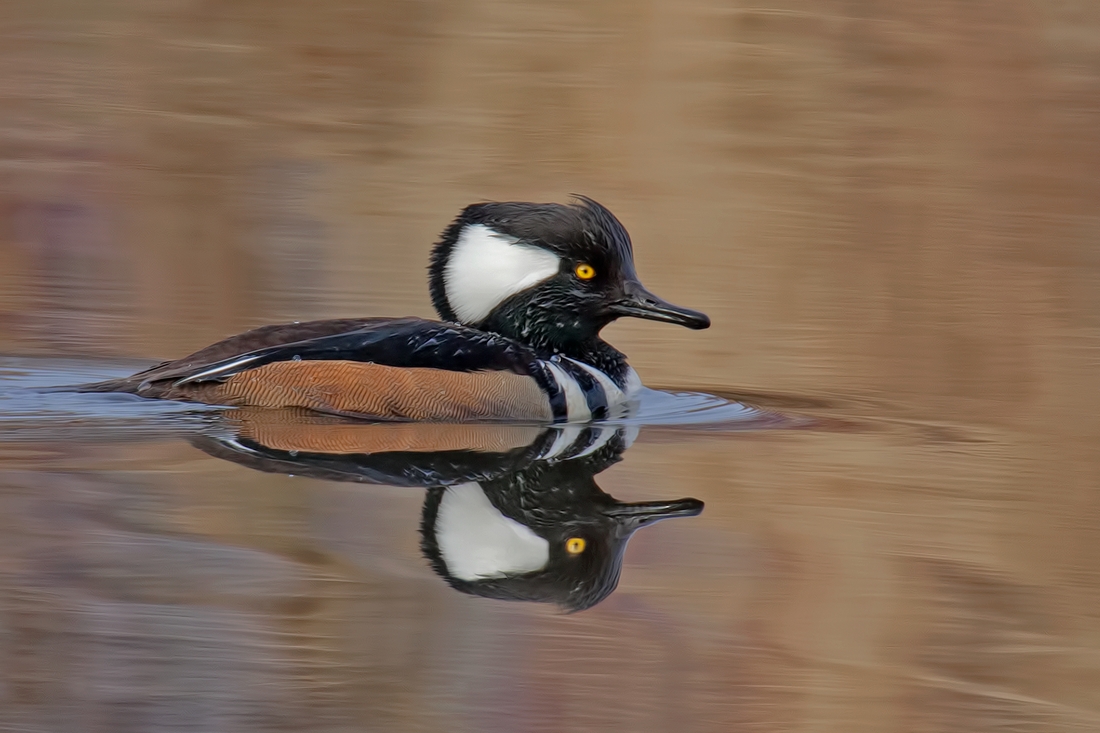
point(576, 406)
point(217, 370)
point(613, 392)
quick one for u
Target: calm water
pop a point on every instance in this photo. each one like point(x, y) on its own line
point(888, 210)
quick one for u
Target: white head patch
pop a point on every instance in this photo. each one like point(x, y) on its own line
point(477, 541)
point(486, 268)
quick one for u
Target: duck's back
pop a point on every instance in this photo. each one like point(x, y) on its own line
point(385, 368)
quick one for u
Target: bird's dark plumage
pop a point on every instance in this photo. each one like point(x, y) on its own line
point(537, 283)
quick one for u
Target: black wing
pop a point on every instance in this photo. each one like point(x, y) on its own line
point(404, 342)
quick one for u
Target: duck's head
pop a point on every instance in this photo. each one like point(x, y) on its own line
point(549, 275)
point(546, 533)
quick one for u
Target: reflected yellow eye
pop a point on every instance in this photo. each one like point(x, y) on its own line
point(575, 545)
point(585, 271)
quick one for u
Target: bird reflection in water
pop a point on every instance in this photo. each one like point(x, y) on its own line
point(511, 512)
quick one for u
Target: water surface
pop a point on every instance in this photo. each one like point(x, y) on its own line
point(889, 212)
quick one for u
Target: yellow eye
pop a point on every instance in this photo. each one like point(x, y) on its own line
point(585, 271)
point(575, 545)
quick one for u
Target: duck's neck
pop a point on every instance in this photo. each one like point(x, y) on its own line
point(557, 334)
point(594, 352)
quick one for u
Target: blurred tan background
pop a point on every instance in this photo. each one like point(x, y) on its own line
point(889, 210)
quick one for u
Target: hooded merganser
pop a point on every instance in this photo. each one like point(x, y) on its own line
point(523, 290)
point(512, 512)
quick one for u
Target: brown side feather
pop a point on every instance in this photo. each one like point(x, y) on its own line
point(371, 390)
point(294, 429)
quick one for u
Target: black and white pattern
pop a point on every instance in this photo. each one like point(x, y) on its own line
point(578, 441)
point(485, 268)
point(585, 393)
point(477, 541)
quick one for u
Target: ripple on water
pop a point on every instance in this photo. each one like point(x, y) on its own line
point(700, 409)
point(29, 412)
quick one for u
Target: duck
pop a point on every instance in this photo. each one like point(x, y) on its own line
point(522, 291)
point(510, 512)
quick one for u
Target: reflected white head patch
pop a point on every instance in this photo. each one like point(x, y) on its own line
point(486, 268)
point(477, 541)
